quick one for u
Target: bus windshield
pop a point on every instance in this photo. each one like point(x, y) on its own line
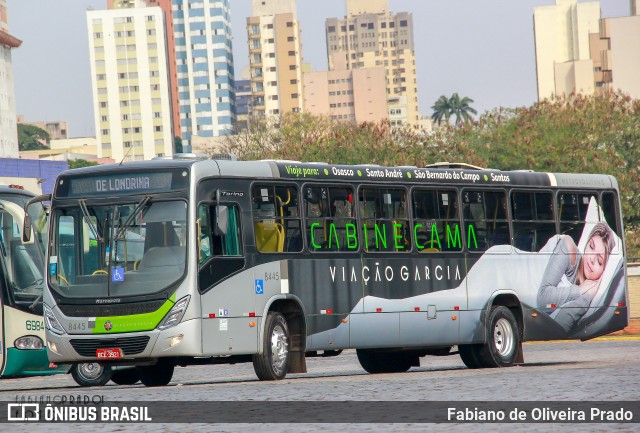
point(23, 262)
point(119, 250)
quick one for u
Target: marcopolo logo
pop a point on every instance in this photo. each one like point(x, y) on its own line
point(108, 325)
point(23, 412)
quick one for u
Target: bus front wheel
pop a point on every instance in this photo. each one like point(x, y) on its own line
point(159, 374)
point(91, 374)
point(273, 362)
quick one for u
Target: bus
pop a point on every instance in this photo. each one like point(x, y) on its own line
point(270, 262)
point(22, 335)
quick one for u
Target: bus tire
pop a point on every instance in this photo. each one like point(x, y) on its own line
point(273, 362)
point(128, 376)
point(91, 374)
point(159, 374)
point(503, 339)
point(384, 362)
point(469, 355)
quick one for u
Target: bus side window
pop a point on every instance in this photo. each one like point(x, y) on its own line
point(533, 222)
point(276, 218)
point(572, 209)
point(329, 216)
point(212, 245)
point(436, 220)
point(610, 209)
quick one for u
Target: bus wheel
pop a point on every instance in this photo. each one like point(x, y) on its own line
point(156, 375)
point(273, 362)
point(91, 374)
point(503, 339)
point(469, 354)
point(127, 376)
point(384, 362)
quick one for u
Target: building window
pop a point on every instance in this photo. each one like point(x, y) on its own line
point(331, 29)
point(290, 24)
point(403, 23)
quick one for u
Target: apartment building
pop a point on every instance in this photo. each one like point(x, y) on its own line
point(128, 56)
point(563, 54)
point(356, 95)
point(371, 36)
point(205, 70)
point(8, 126)
point(619, 54)
point(275, 58)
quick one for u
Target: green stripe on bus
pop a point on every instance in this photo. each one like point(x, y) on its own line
point(134, 322)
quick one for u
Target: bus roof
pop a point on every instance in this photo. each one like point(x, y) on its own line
point(451, 173)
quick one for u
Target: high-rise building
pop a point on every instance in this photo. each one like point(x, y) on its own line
point(563, 57)
point(619, 43)
point(132, 107)
point(371, 36)
point(635, 7)
point(275, 58)
point(243, 103)
point(166, 7)
point(204, 58)
point(356, 95)
point(8, 126)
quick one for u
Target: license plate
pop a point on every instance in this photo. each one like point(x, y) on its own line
point(108, 353)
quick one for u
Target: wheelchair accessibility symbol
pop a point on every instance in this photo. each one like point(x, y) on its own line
point(117, 275)
point(259, 287)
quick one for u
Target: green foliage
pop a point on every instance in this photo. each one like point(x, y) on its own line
point(177, 144)
point(573, 135)
point(79, 163)
point(31, 137)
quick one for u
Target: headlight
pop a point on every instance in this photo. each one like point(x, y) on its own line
point(174, 316)
point(51, 323)
point(29, 342)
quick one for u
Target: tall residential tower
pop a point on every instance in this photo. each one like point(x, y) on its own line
point(275, 58)
point(128, 54)
point(563, 57)
point(371, 36)
point(204, 58)
point(8, 127)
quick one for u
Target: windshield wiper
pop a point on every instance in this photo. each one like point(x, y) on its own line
point(33, 306)
point(132, 217)
point(87, 218)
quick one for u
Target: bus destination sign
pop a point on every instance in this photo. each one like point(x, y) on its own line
point(120, 183)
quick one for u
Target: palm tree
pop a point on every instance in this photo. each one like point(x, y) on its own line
point(441, 110)
point(461, 108)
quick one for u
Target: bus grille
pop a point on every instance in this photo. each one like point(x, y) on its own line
point(129, 345)
point(111, 309)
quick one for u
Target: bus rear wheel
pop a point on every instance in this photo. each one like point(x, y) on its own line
point(159, 374)
point(503, 340)
point(385, 362)
point(273, 362)
point(91, 374)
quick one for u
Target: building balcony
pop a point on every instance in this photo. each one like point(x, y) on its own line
point(9, 41)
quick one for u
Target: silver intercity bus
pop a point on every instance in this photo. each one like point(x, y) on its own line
point(175, 262)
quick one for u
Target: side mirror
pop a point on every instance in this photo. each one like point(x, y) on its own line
point(27, 226)
point(26, 229)
point(222, 220)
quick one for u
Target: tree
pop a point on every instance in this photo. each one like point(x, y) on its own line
point(31, 137)
point(177, 144)
point(441, 110)
point(461, 108)
point(79, 163)
point(445, 107)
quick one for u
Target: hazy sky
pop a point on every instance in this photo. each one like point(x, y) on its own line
point(482, 49)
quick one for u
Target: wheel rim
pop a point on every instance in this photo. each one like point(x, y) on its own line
point(279, 348)
point(503, 338)
point(90, 370)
